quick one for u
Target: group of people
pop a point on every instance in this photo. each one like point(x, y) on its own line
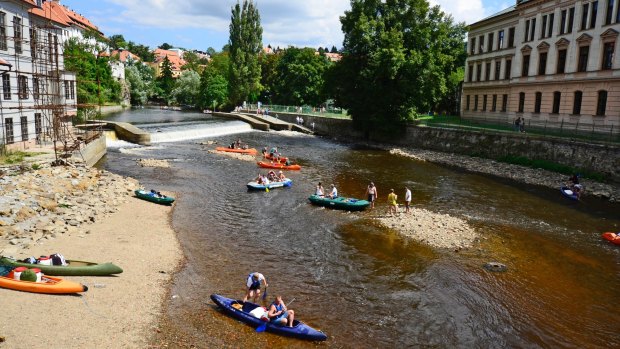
point(238, 145)
point(278, 312)
point(371, 195)
point(157, 194)
point(274, 155)
point(270, 177)
point(575, 186)
point(320, 191)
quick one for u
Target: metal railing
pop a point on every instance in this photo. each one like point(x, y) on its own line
point(330, 111)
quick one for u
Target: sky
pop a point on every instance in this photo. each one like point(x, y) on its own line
point(200, 24)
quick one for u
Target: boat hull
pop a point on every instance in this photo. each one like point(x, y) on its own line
point(299, 330)
point(74, 268)
point(49, 285)
point(145, 195)
point(272, 185)
point(568, 193)
point(614, 238)
point(250, 151)
point(279, 166)
point(340, 203)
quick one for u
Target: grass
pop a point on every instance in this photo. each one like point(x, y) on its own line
point(551, 166)
point(16, 157)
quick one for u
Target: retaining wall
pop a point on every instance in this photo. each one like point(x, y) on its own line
point(93, 151)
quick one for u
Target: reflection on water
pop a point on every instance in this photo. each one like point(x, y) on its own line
point(364, 285)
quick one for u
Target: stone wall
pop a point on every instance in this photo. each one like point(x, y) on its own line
point(93, 151)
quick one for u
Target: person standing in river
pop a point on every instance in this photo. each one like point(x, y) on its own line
point(253, 286)
point(407, 199)
point(371, 192)
point(393, 205)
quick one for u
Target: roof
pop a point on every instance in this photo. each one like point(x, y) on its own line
point(58, 13)
point(498, 14)
point(124, 55)
point(173, 56)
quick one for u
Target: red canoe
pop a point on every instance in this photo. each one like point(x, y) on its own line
point(250, 151)
point(278, 166)
point(612, 237)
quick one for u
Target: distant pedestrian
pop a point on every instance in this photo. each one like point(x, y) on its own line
point(371, 192)
point(312, 124)
point(517, 123)
point(393, 205)
point(522, 125)
point(407, 199)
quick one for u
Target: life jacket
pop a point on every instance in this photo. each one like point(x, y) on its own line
point(255, 284)
point(278, 307)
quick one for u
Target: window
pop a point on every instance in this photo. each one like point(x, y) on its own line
point(479, 72)
point(525, 68)
point(38, 127)
point(476, 102)
point(601, 104)
point(500, 40)
point(8, 130)
point(556, 102)
point(487, 72)
point(6, 86)
point(490, 41)
point(72, 89)
point(67, 93)
point(481, 44)
point(22, 87)
point(484, 103)
point(609, 15)
point(33, 43)
point(550, 30)
point(542, 63)
point(577, 103)
point(23, 122)
point(521, 102)
point(511, 37)
point(498, 67)
point(504, 103)
point(35, 88)
point(543, 30)
point(538, 102)
point(17, 32)
point(494, 103)
point(608, 55)
point(584, 51)
point(593, 14)
point(561, 61)
point(467, 102)
point(470, 73)
point(472, 49)
point(3, 45)
point(527, 30)
point(571, 20)
point(563, 22)
point(584, 17)
point(508, 69)
point(533, 29)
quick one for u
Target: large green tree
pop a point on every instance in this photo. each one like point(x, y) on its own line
point(245, 43)
point(398, 55)
point(166, 79)
point(300, 77)
point(213, 82)
point(140, 78)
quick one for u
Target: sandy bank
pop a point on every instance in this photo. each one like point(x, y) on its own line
point(116, 312)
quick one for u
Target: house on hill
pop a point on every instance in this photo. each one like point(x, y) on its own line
point(174, 56)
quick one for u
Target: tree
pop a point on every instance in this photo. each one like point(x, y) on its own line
point(186, 88)
point(211, 51)
point(397, 55)
point(117, 41)
point(142, 51)
point(166, 80)
point(334, 49)
point(269, 76)
point(213, 82)
point(140, 78)
point(165, 46)
point(300, 77)
point(245, 44)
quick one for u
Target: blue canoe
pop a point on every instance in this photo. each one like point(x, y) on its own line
point(271, 185)
point(566, 191)
point(299, 329)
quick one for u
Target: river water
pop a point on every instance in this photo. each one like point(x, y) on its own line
point(362, 284)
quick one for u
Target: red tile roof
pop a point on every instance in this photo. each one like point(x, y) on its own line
point(124, 55)
point(56, 12)
point(175, 60)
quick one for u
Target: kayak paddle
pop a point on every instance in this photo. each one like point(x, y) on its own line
point(265, 294)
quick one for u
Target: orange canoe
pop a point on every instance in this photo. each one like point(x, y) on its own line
point(250, 151)
point(48, 284)
point(278, 166)
point(612, 237)
point(271, 157)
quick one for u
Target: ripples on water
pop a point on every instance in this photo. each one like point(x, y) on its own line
point(365, 285)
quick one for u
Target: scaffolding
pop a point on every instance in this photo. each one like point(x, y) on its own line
point(44, 97)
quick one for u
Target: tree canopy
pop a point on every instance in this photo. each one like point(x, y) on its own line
point(397, 57)
point(245, 43)
point(299, 77)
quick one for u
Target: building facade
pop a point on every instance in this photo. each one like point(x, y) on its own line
point(551, 61)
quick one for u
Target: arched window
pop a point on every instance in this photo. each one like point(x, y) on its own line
point(538, 102)
point(601, 104)
point(556, 102)
point(577, 103)
point(521, 102)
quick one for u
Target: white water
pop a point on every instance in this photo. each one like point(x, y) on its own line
point(174, 134)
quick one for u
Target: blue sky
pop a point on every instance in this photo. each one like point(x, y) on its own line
point(199, 24)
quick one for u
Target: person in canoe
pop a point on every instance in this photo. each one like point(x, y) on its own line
point(273, 151)
point(574, 185)
point(281, 176)
point(271, 175)
point(264, 151)
point(253, 286)
point(334, 193)
point(371, 192)
point(279, 314)
point(320, 192)
point(238, 143)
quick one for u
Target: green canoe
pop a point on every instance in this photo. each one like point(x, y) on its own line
point(340, 203)
point(74, 268)
point(149, 196)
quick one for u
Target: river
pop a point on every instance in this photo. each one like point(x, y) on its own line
point(360, 283)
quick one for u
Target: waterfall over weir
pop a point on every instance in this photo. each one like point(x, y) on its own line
point(162, 133)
